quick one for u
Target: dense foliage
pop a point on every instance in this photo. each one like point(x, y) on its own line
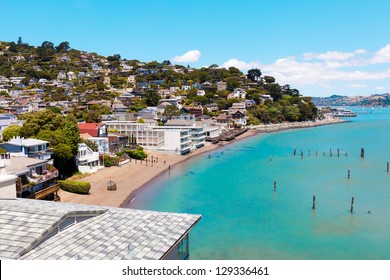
point(61, 132)
point(75, 186)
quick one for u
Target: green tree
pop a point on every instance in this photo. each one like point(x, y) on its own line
point(170, 111)
point(63, 47)
point(233, 82)
point(235, 71)
point(13, 47)
point(61, 132)
point(292, 113)
point(254, 74)
point(152, 98)
point(10, 132)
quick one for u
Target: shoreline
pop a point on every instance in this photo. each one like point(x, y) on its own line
point(133, 176)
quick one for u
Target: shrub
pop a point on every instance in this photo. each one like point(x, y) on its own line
point(110, 161)
point(75, 187)
point(137, 154)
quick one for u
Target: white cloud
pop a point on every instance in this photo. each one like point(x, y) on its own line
point(380, 88)
point(332, 70)
point(332, 55)
point(357, 86)
point(324, 85)
point(292, 71)
point(382, 56)
point(242, 65)
point(190, 56)
point(360, 51)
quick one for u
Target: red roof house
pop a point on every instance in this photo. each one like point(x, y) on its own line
point(93, 129)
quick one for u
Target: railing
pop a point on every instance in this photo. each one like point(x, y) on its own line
point(45, 192)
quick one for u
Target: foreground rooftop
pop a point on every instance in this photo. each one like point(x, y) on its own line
point(36, 229)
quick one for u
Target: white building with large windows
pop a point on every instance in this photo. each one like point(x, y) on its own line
point(174, 137)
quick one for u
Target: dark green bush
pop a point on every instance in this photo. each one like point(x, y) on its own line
point(75, 187)
point(136, 154)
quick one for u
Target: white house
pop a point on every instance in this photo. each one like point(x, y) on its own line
point(61, 75)
point(200, 92)
point(102, 143)
point(238, 93)
point(71, 75)
point(87, 160)
point(238, 113)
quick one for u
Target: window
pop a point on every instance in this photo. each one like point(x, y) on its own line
point(183, 250)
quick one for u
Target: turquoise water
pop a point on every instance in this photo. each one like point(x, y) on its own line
point(244, 218)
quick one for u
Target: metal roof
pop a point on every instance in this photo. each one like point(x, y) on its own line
point(35, 229)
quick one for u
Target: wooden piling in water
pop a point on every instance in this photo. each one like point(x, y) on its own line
point(330, 152)
point(295, 152)
point(349, 174)
point(346, 154)
point(362, 152)
point(316, 153)
point(314, 202)
point(274, 186)
point(338, 152)
point(301, 154)
point(352, 201)
point(324, 153)
point(387, 167)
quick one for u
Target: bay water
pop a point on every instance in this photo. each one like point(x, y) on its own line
point(243, 217)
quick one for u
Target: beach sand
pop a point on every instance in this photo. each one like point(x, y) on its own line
point(131, 176)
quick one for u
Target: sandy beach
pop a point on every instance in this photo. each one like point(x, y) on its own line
point(133, 175)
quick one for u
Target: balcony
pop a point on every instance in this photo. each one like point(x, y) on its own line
point(42, 154)
point(40, 178)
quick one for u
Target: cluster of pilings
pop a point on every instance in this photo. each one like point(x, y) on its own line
point(362, 154)
point(146, 161)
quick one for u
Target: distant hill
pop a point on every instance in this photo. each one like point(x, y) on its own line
point(338, 100)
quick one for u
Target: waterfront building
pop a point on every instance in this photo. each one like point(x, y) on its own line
point(117, 142)
point(238, 113)
point(176, 139)
point(102, 144)
point(87, 160)
point(180, 139)
point(197, 133)
point(35, 178)
point(138, 133)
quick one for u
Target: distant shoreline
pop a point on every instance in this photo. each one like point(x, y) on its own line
point(133, 176)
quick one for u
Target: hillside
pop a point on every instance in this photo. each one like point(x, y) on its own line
point(337, 100)
point(49, 73)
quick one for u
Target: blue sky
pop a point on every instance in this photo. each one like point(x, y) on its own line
point(319, 47)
